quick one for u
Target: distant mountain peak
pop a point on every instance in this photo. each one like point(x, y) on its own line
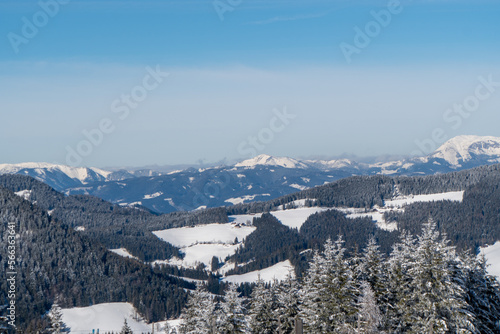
point(464, 148)
point(268, 160)
point(54, 174)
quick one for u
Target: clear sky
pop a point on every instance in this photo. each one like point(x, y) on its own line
point(84, 82)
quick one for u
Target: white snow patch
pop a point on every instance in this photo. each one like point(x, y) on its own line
point(278, 271)
point(401, 201)
point(244, 219)
point(170, 201)
point(157, 194)
point(107, 317)
point(492, 254)
point(241, 175)
point(123, 252)
point(26, 194)
point(203, 253)
point(80, 228)
point(294, 218)
point(213, 233)
point(298, 186)
point(242, 199)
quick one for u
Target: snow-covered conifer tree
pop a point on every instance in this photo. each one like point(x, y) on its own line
point(287, 306)
point(126, 328)
point(57, 326)
point(262, 304)
point(436, 303)
point(199, 315)
point(371, 270)
point(232, 318)
point(312, 295)
point(369, 315)
point(482, 293)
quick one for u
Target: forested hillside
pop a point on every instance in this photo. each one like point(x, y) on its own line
point(111, 225)
point(55, 261)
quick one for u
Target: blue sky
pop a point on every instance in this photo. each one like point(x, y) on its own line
point(227, 76)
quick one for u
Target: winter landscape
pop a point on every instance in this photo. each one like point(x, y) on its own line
point(237, 167)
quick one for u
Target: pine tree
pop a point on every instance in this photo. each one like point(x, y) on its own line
point(340, 288)
point(262, 304)
point(312, 295)
point(369, 315)
point(437, 302)
point(287, 303)
point(371, 270)
point(482, 294)
point(397, 313)
point(126, 328)
point(57, 326)
point(329, 292)
point(232, 318)
point(198, 316)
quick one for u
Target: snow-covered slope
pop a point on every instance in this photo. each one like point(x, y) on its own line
point(279, 271)
point(267, 160)
point(200, 243)
point(294, 218)
point(60, 177)
point(211, 233)
point(123, 252)
point(82, 174)
point(492, 254)
point(462, 149)
point(107, 317)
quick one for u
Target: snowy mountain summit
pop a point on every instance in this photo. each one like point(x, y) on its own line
point(267, 160)
point(464, 149)
point(42, 170)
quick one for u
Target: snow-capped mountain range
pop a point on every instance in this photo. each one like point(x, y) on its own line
point(260, 178)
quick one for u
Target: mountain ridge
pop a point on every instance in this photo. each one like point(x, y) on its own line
point(259, 178)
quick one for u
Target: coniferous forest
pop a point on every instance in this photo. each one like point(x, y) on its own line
point(424, 286)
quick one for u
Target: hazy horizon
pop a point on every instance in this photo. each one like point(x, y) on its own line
point(137, 83)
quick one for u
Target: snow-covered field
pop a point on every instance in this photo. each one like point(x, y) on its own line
point(398, 204)
point(213, 233)
point(294, 218)
point(401, 201)
point(242, 199)
point(200, 243)
point(106, 317)
point(122, 252)
point(244, 219)
point(279, 271)
point(492, 254)
point(203, 253)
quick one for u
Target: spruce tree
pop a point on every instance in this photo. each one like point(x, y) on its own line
point(312, 296)
point(287, 303)
point(126, 328)
point(262, 304)
point(369, 315)
point(329, 292)
point(482, 294)
point(199, 314)
point(57, 326)
point(371, 270)
point(232, 318)
point(436, 303)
